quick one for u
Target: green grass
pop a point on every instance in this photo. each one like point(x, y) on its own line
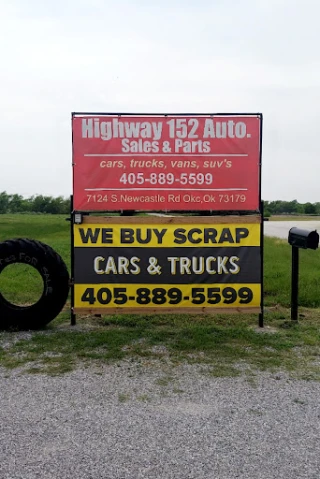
point(11, 288)
point(53, 230)
point(225, 344)
point(277, 274)
point(294, 218)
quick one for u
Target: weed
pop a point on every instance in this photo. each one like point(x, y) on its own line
point(122, 398)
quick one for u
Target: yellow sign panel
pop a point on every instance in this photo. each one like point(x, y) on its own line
point(175, 296)
point(129, 264)
point(166, 235)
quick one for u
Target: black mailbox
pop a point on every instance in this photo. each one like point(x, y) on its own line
point(303, 238)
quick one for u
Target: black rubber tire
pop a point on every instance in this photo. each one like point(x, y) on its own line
point(55, 277)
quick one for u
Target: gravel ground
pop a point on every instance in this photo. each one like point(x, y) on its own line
point(148, 420)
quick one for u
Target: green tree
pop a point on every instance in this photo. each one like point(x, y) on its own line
point(15, 203)
point(4, 202)
point(310, 209)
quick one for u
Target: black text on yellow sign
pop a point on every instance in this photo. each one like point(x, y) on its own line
point(95, 296)
point(166, 235)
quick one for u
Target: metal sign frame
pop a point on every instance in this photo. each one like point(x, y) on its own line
point(220, 216)
point(87, 248)
point(220, 206)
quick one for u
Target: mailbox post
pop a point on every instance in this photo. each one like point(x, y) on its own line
point(299, 238)
point(294, 283)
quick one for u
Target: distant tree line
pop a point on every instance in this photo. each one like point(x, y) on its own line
point(290, 208)
point(59, 205)
point(34, 204)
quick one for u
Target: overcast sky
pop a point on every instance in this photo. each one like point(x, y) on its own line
point(59, 56)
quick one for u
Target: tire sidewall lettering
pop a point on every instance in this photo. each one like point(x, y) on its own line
point(46, 279)
point(6, 261)
point(22, 258)
point(55, 278)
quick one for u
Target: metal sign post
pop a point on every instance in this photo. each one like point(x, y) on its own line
point(294, 283)
point(299, 238)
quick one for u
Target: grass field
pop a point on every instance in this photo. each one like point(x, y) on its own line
point(294, 218)
point(227, 343)
point(53, 230)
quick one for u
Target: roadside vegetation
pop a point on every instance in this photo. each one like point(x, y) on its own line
point(14, 203)
point(295, 208)
point(227, 345)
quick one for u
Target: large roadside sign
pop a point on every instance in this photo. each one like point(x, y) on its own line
point(167, 264)
point(166, 162)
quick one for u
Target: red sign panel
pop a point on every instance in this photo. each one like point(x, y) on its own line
point(158, 162)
